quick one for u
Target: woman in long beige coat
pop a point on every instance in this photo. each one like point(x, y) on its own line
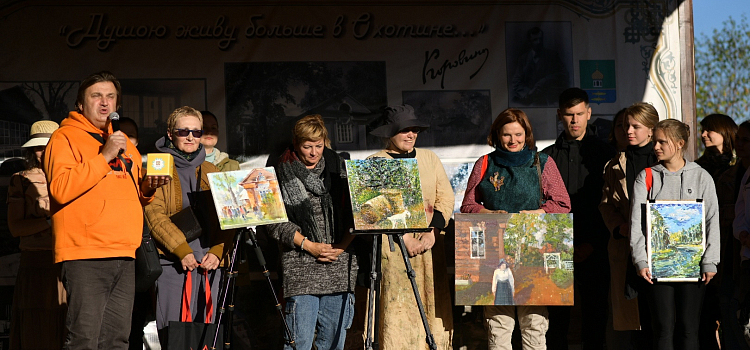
point(400, 325)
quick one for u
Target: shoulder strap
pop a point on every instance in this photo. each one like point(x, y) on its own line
point(649, 179)
point(484, 166)
point(539, 175)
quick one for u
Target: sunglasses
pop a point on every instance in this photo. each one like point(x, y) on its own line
point(415, 130)
point(184, 132)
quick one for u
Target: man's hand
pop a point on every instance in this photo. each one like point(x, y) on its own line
point(115, 142)
point(189, 263)
point(152, 182)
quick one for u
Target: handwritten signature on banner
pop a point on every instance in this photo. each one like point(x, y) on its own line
point(447, 64)
point(364, 27)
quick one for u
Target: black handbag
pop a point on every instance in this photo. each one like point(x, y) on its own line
point(188, 223)
point(147, 265)
point(186, 334)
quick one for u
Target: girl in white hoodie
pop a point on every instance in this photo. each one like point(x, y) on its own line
point(675, 306)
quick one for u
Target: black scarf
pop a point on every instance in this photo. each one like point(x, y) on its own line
point(297, 184)
point(638, 158)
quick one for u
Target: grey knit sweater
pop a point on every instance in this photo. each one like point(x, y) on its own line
point(690, 182)
point(302, 274)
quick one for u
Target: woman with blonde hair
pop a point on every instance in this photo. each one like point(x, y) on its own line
point(529, 183)
point(619, 177)
point(318, 270)
point(180, 256)
point(675, 307)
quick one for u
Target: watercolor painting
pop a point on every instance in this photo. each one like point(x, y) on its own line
point(246, 198)
point(386, 194)
point(514, 259)
point(676, 239)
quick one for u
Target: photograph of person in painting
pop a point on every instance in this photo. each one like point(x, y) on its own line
point(502, 284)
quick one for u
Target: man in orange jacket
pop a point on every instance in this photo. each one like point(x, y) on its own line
point(97, 192)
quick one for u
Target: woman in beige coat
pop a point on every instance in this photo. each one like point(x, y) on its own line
point(400, 325)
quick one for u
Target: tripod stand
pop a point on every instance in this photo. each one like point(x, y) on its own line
point(228, 287)
point(373, 302)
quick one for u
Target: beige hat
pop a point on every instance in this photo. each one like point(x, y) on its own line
point(40, 133)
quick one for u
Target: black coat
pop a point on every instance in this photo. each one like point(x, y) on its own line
point(581, 164)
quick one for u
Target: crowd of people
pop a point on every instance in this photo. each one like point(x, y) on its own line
point(83, 201)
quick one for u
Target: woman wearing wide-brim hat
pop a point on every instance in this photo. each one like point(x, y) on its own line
point(400, 324)
point(39, 299)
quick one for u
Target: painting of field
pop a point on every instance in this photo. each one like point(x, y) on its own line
point(514, 259)
point(386, 194)
point(246, 198)
point(676, 240)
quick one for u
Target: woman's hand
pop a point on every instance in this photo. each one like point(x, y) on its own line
point(189, 263)
point(535, 211)
point(413, 246)
point(332, 254)
point(707, 276)
point(210, 262)
point(646, 274)
point(316, 249)
point(427, 239)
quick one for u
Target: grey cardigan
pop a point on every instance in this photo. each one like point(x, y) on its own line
point(690, 182)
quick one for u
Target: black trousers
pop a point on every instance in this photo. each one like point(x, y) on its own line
point(675, 309)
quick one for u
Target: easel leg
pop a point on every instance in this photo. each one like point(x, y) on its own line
point(373, 302)
point(227, 291)
point(410, 272)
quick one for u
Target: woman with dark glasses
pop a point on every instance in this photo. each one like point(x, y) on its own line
point(179, 255)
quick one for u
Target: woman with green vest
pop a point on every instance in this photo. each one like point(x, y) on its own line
point(515, 178)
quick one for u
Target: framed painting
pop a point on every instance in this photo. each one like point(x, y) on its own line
point(676, 239)
point(514, 259)
point(386, 194)
point(246, 198)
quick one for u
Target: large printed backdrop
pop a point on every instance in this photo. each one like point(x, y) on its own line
point(260, 67)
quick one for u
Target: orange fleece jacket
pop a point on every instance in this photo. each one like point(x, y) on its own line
point(97, 211)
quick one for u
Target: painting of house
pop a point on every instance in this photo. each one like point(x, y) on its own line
point(386, 194)
point(676, 240)
point(247, 198)
point(528, 257)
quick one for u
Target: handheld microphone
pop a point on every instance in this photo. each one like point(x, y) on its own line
point(114, 118)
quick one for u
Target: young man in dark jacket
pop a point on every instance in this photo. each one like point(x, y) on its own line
point(580, 156)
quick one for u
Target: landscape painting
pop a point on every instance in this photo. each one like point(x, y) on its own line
point(386, 194)
point(246, 198)
point(676, 240)
point(514, 259)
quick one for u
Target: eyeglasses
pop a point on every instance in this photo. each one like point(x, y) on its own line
point(415, 130)
point(184, 132)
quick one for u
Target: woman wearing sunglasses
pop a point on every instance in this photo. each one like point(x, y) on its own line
point(178, 255)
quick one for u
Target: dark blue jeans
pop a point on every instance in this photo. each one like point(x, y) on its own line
point(324, 318)
point(100, 302)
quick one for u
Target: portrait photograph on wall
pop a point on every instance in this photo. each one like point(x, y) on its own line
point(386, 194)
point(514, 259)
point(539, 59)
point(676, 240)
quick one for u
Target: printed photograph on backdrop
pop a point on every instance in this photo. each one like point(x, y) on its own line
point(247, 198)
point(514, 259)
point(386, 194)
point(676, 240)
point(458, 175)
point(455, 117)
point(539, 59)
point(265, 99)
